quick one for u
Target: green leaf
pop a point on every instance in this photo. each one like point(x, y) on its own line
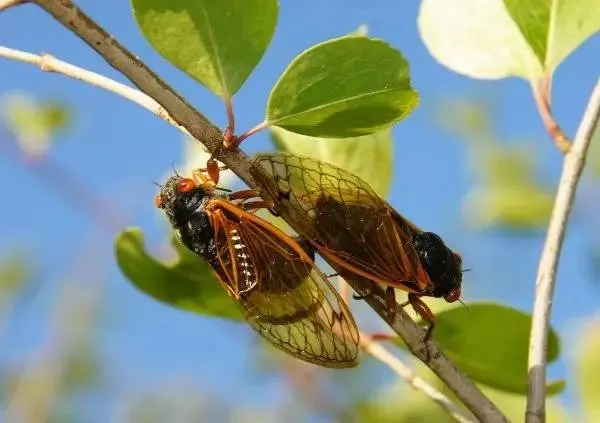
point(15, 274)
point(489, 343)
point(523, 206)
point(369, 156)
point(496, 39)
point(508, 194)
point(34, 122)
point(555, 28)
point(218, 43)
point(187, 283)
point(587, 367)
point(345, 87)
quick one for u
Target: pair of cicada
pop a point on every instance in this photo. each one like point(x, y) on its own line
point(285, 297)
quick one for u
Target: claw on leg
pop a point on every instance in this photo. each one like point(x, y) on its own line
point(367, 294)
point(390, 300)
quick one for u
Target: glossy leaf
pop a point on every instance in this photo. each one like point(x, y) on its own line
point(587, 367)
point(489, 343)
point(369, 156)
point(496, 39)
point(345, 87)
point(218, 43)
point(187, 283)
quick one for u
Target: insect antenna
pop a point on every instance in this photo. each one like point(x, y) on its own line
point(466, 306)
point(175, 170)
point(223, 189)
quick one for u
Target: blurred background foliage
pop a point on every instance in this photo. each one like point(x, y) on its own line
point(65, 371)
point(69, 369)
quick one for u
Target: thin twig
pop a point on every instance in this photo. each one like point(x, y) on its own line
point(418, 383)
point(49, 63)
point(546, 277)
point(208, 134)
point(541, 94)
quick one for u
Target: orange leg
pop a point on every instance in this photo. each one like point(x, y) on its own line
point(205, 180)
point(426, 314)
point(379, 336)
point(212, 169)
point(243, 195)
point(390, 299)
point(256, 205)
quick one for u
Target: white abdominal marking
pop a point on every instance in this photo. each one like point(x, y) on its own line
point(247, 268)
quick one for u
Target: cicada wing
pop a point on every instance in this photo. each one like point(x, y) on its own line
point(284, 296)
point(347, 221)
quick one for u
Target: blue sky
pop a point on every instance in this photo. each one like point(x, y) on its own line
point(117, 149)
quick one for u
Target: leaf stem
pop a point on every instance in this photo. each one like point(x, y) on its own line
point(252, 131)
point(546, 278)
point(541, 94)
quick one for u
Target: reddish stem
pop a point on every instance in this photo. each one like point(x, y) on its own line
point(251, 131)
point(541, 95)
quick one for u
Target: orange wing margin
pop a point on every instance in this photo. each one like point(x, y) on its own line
point(346, 221)
point(285, 297)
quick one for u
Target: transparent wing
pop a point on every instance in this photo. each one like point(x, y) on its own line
point(285, 297)
point(344, 218)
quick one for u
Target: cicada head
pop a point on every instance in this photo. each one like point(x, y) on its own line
point(184, 202)
point(443, 266)
point(181, 197)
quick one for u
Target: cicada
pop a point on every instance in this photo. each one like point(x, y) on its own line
point(284, 296)
point(357, 231)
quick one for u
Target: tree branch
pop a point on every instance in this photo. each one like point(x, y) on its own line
point(146, 80)
point(208, 134)
point(419, 384)
point(429, 353)
point(546, 277)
